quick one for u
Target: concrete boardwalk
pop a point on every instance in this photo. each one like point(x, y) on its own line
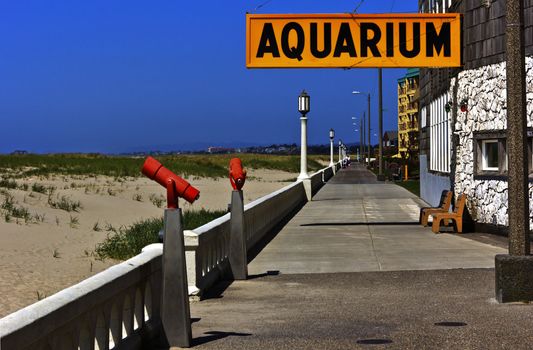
point(321, 284)
point(357, 224)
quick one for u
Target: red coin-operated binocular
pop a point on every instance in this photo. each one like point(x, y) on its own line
point(237, 175)
point(175, 185)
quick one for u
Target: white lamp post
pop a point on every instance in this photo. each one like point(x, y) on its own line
point(303, 108)
point(331, 137)
point(340, 147)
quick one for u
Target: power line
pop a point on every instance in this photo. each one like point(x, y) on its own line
point(358, 5)
point(261, 5)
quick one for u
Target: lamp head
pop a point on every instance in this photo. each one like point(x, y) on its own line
point(304, 101)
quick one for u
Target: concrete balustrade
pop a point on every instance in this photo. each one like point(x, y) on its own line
point(206, 248)
point(119, 308)
point(115, 309)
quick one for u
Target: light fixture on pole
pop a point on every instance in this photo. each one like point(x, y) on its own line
point(355, 92)
point(331, 137)
point(303, 107)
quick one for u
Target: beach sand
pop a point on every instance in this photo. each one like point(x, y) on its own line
point(41, 257)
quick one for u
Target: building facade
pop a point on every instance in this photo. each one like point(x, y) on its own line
point(463, 116)
point(408, 114)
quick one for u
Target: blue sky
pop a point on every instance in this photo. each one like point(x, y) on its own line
point(115, 76)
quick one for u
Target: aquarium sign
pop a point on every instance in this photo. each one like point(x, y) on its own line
point(353, 40)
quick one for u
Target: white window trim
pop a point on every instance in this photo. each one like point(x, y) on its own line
point(484, 155)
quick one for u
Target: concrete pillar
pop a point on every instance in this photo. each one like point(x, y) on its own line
point(238, 257)
point(175, 312)
point(514, 272)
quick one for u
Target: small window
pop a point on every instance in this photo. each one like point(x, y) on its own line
point(489, 154)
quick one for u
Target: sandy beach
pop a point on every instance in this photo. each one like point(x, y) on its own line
point(55, 249)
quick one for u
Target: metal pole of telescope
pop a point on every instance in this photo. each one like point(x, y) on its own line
point(380, 127)
point(514, 272)
point(369, 142)
point(175, 311)
point(238, 257)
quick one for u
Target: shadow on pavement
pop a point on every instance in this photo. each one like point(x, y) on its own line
point(260, 275)
point(216, 291)
point(362, 223)
point(374, 341)
point(216, 335)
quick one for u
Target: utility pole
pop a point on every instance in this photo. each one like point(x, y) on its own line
point(381, 177)
point(369, 142)
point(361, 126)
point(514, 272)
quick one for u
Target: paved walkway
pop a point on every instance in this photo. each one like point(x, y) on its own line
point(357, 224)
point(321, 283)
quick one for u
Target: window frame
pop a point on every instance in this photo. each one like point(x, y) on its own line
point(485, 156)
point(481, 139)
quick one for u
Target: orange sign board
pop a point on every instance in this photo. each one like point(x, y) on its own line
point(351, 41)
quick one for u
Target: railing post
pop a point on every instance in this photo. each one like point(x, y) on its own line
point(175, 312)
point(238, 258)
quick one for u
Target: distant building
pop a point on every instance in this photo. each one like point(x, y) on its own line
point(390, 139)
point(220, 150)
point(19, 152)
point(408, 113)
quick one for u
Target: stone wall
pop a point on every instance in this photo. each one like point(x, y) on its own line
point(485, 90)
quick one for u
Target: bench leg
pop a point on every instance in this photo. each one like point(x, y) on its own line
point(436, 225)
point(459, 225)
point(423, 218)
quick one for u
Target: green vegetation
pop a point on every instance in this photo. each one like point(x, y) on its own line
point(119, 166)
point(412, 186)
point(157, 200)
point(6, 183)
point(64, 203)
point(74, 222)
point(10, 209)
point(36, 187)
point(128, 241)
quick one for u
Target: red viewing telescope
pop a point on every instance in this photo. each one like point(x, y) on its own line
point(237, 175)
point(175, 185)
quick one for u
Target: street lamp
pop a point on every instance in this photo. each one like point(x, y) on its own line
point(303, 108)
point(331, 137)
point(381, 177)
point(355, 92)
point(340, 146)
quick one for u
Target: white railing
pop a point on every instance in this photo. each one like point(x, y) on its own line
point(119, 308)
point(206, 248)
point(115, 309)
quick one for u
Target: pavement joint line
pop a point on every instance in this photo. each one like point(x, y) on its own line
point(371, 238)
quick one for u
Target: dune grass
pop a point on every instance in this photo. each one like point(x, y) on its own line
point(127, 242)
point(212, 166)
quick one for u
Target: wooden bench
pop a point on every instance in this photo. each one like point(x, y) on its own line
point(444, 207)
point(456, 216)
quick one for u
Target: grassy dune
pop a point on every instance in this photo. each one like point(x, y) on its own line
point(212, 166)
